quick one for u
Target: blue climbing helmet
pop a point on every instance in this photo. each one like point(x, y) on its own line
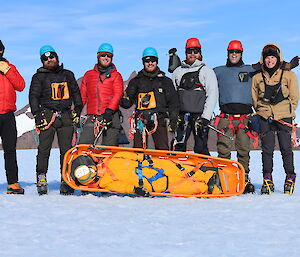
point(106, 47)
point(150, 51)
point(46, 48)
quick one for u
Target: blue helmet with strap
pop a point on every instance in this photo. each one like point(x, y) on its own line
point(45, 49)
point(106, 47)
point(150, 51)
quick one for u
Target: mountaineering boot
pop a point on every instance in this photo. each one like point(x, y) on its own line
point(15, 189)
point(214, 184)
point(42, 185)
point(289, 184)
point(268, 185)
point(249, 187)
point(65, 189)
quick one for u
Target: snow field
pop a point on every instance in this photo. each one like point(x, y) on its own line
point(55, 225)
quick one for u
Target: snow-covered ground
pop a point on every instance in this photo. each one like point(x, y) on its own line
point(70, 226)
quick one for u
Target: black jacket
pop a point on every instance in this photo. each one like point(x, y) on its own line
point(165, 94)
point(55, 90)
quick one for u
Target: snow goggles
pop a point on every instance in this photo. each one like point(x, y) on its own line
point(47, 56)
point(195, 50)
point(149, 59)
point(106, 55)
point(234, 51)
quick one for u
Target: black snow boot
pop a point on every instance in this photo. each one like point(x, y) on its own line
point(249, 187)
point(65, 189)
point(268, 185)
point(42, 185)
point(289, 184)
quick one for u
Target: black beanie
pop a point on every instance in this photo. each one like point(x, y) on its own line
point(1, 46)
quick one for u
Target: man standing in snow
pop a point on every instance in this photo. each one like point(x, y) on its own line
point(197, 87)
point(52, 92)
point(10, 82)
point(155, 99)
point(101, 89)
point(235, 100)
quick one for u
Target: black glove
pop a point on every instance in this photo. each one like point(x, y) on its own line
point(40, 121)
point(257, 66)
point(107, 117)
point(201, 123)
point(173, 126)
point(125, 102)
point(141, 191)
point(76, 118)
point(172, 51)
point(294, 62)
point(174, 60)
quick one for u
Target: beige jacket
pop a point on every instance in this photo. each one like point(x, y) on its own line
point(290, 90)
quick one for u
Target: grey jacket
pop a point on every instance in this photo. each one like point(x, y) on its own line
point(209, 80)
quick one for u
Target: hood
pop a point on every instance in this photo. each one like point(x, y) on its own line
point(272, 44)
point(197, 63)
point(110, 69)
point(159, 73)
point(44, 70)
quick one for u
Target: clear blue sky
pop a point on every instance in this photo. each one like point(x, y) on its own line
point(76, 29)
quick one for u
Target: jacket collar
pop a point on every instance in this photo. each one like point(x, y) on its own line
point(197, 63)
point(44, 70)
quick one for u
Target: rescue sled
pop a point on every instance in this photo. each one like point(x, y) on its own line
point(162, 173)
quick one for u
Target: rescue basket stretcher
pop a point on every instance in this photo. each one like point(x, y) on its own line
point(172, 173)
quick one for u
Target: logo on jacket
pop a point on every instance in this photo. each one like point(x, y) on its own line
point(60, 91)
point(243, 76)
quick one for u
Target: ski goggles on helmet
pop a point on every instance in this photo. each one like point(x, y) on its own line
point(149, 59)
point(47, 55)
point(234, 51)
point(195, 50)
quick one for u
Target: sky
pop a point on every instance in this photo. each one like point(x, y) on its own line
point(76, 29)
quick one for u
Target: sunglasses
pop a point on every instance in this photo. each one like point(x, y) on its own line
point(150, 59)
point(234, 51)
point(45, 58)
point(192, 50)
point(106, 55)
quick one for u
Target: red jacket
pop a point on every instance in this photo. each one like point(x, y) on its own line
point(101, 91)
point(9, 83)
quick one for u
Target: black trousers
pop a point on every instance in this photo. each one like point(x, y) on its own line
point(267, 135)
point(110, 136)
point(201, 137)
point(8, 133)
point(64, 128)
point(160, 137)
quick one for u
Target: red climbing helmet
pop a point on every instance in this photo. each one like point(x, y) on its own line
point(235, 45)
point(192, 42)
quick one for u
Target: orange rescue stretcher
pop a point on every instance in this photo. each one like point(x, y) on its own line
point(162, 173)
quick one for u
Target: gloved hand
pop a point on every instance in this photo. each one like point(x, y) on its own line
point(173, 126)
point(172, 51)
point(174, 60)
point(201, 123)
point(40, 121)
point(107, 117)
point(76, 118)
point(125, 102)
point(257, 66)
point(141, 191)
point(4, 67)
point(294, 62)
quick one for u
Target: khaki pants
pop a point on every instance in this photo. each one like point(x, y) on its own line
point(242, 142)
